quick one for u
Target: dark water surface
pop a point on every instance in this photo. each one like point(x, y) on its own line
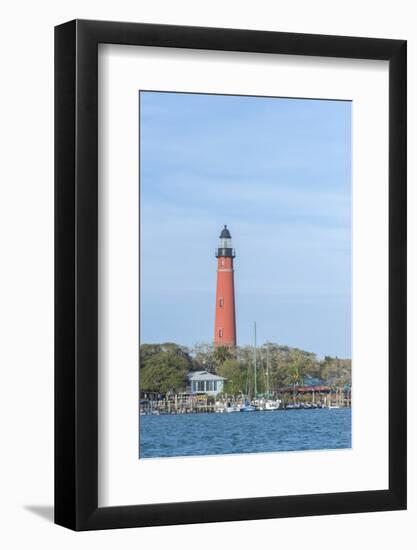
point(253, 432)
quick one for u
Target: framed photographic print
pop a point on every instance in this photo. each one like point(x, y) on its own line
point(230, 245)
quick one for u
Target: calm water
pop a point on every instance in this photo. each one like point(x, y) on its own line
point(212, 434)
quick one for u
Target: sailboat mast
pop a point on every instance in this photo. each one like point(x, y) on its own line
point(255, 391)
point(267, 370)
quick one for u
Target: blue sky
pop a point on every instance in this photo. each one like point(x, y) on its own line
point(278, 172)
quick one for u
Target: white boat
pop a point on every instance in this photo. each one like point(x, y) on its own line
point(232, 408)
point(271, 405)
point(247, 407)
point(226, 407)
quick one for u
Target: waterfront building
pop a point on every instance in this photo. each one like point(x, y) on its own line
point(225, 318)
point(202, 381)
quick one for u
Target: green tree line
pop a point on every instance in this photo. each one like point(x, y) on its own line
point(164, 367)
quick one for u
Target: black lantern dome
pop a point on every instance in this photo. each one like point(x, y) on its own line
point(224, 249)
point(225, 234)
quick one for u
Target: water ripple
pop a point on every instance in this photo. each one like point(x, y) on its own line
point(268, 431)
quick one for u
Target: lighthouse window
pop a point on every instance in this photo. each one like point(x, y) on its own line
point(220, 333)
point(221, 302)
point(222, 262)
point(225, 243)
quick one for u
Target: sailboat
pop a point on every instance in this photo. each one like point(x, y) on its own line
point(247, 406)
point(269, 404)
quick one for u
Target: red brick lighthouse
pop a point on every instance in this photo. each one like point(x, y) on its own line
point(225, 323)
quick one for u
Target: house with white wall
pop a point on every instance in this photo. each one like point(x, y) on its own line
point(202, 381)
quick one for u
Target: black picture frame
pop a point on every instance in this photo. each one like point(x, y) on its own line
point(76, 273)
